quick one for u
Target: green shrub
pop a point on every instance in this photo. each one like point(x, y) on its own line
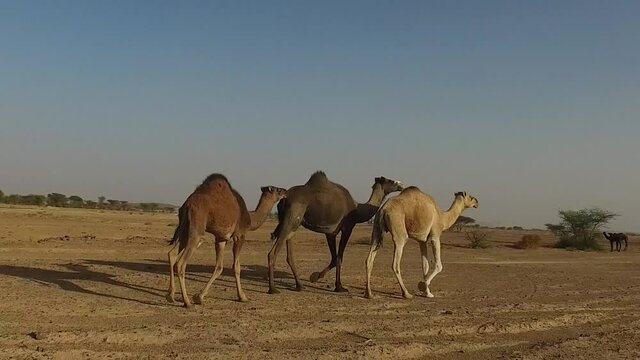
point(579, 229)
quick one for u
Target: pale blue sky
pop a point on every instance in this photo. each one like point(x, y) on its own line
point(532, 106)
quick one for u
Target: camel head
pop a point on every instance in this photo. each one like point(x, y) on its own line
point(274, 193)
point(469, 201)
point(388, 185)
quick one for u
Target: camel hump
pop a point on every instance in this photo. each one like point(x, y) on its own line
point(411, 189)
point(215, 177)
point(318, 177)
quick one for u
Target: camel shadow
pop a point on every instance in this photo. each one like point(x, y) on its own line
point(199, 272)
point(65, 280)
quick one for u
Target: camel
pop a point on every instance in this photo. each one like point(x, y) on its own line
point(414, 214)
point(325, 207)
point(215, 207)
point(618, 238)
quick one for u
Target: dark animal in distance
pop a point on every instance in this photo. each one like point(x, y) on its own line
point(617, 238)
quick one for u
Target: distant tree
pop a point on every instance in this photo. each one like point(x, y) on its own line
point(90, 204)
point(1, 196)
point(124, 205)
point(76, 201)
point(57, 199)
point(462, 221)
point(556, 229)
point(114, 204)
point(149, 206)
point(31, 199)
point(12, 199)
point(580, 228)
point(101, 200)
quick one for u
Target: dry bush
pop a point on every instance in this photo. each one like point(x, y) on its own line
point(477, 239)
point(528, 241)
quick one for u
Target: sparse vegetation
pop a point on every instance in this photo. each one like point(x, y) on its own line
point(580, 229)
point(74, 201)
point(528, 241)
point(477, 239)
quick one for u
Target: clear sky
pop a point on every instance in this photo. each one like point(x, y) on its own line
point(531, 106)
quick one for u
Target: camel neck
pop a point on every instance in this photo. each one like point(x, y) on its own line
point(364, 212)
point(259, 215)
point(449, 217)
point(377, 195)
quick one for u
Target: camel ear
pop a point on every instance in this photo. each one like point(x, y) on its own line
point(459, 193)
point(265, 188)
point(379, 179)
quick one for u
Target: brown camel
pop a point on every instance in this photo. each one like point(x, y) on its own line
point(215, 207)
point(414, 214)
point(325, 207)
point(618, 238)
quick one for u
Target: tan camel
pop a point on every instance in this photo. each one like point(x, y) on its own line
point(414, 214)
point(215, 207)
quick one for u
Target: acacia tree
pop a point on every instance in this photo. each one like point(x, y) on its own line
point(76, 201)
point(462, 221)
point(580, 228)
point(1, 196)
point(56, 199)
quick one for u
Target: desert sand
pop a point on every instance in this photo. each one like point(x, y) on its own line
point(91, 284)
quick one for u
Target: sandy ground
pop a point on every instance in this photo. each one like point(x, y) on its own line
point(78, 284)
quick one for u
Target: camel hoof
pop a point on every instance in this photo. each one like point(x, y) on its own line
point(243, 299)
point(198, 299)
point(407, 296)
point(422, 286)
point(274, 291)
point(170, 298)
point(429, 295)
point(187, 305)
point(340, 289)
point(369, 296)
point(314, 277)
point(299, 288)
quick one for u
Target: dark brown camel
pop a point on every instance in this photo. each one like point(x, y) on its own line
point(215, 207)
point(618, 238)
point(325, 207)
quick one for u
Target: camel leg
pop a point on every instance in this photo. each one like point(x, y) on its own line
point(331, 242)
point(292, 263)
point(626, 244)
point(273, 254)
point(237, 246)
point(435, 243)
point(424, 252)
point(373, 250)
point(398, 244)
point(173, 255)
point(182, 267)
point(219, 249)
point(611, 242)
point(288, 225)
point(344, 239)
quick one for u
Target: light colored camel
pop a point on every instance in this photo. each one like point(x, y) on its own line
point(215, 207)
point(326, 207)
point(414, 214)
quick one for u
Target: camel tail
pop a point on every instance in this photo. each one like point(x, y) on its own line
point(182, 230)
point(379, 228)
point(278, 229)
